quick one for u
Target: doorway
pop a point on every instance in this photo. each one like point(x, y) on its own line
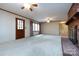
point(20, 28)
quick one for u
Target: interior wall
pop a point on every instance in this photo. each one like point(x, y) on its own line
point(51, 28)
point(63, 30)
point(7, 26)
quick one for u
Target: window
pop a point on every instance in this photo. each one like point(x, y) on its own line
point(19, 24)
point(35, 27)
point(38, 27)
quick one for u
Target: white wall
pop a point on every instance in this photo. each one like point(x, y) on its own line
point(35, 33)
point(51, 28)
point(7, 26)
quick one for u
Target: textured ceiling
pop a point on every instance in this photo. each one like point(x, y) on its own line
point(57, 11)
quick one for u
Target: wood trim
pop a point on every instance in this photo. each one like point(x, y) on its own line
point(40, 28)
point(73, 18)
point(73, 12)
point(31, 32)
point(18, 15)
point(14, 13)
point(70, 8)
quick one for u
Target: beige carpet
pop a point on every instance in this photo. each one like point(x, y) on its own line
point(39, 45)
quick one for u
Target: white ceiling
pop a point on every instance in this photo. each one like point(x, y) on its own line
point(57, 11)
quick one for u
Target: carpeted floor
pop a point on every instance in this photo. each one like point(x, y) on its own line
point(39, 45)
point(69, 49)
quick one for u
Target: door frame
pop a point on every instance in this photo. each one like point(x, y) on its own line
point(16, 27)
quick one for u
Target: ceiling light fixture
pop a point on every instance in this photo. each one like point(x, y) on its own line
point(48, 21)
point(29, 6)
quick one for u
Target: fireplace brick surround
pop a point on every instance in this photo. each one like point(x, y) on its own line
point(73, 23)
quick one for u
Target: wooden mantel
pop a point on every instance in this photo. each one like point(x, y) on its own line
point(73, 12)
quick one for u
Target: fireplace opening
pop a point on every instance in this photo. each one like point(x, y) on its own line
point(73, 34)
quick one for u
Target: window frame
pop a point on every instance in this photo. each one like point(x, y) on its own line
point(36, 27)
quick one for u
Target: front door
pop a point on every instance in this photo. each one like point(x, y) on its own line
point(20, 28)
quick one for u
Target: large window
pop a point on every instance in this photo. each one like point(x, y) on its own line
point(36, 27)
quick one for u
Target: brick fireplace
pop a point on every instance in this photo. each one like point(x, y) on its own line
point(73, 23)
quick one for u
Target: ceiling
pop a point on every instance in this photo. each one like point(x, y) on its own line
point(57, 11)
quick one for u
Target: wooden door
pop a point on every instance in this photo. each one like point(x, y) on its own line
point(20, 28)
